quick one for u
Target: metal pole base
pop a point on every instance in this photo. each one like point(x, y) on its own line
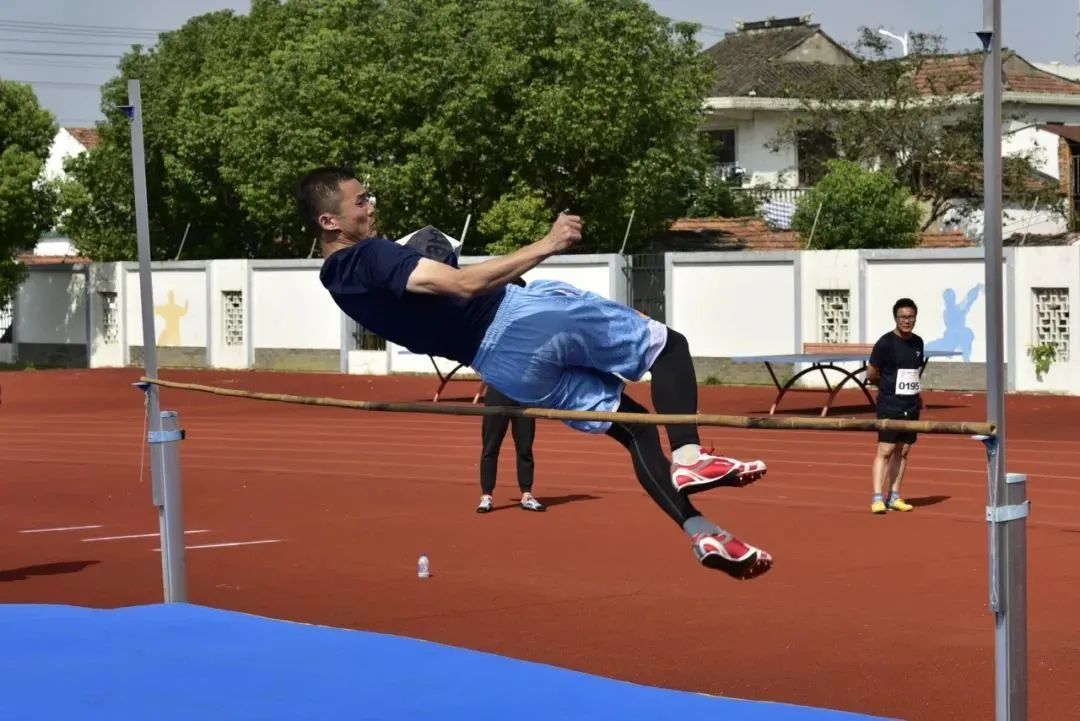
point(168, 497)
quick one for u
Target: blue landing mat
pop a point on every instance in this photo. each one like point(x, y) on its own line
point(190, 663)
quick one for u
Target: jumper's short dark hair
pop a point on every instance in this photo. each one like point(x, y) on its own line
point(318, 192)
point(904, 303)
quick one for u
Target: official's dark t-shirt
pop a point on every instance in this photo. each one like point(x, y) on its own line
point(899, 360)
point(367, 281)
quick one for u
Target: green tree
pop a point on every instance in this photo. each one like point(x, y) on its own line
point(517, 218)
point(714, 197)
point(853, 207)
point(183, 78)
point(445, 107)
point(27, 203)
point(919, 117)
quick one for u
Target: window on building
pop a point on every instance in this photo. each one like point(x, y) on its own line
point(110, 317)
point(7, 321)
point(364, 339)
point(813, 149)
point(834, 315)
point(1050, 308)
point(722, 147)
point(233, 307)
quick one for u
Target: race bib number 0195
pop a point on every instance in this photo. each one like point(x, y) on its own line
point(907, 382)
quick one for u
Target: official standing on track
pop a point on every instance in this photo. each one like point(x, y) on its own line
point(896, 367)
point(493, 431)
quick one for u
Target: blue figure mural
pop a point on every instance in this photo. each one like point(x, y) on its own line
point(957, 337)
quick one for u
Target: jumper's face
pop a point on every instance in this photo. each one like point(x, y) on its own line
point(355, 215)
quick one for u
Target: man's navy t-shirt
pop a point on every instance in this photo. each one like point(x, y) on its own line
point(900, 361)
point(367, 281)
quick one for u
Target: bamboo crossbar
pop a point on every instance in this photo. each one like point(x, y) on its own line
point(973, 428)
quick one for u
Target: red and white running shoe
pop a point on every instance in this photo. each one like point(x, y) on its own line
point(711, 471)
point(724, 552)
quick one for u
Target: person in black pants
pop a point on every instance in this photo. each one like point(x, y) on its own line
point(896, 367)
point(493, 431)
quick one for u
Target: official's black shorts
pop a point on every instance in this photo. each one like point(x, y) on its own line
point(897, 436)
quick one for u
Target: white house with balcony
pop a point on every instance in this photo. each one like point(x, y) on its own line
point(760, 67)
point(68, 143)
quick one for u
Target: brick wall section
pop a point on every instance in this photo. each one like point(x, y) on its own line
point(754, 234)
point(955, 376)
point(1064, 158)
point(172, 356)
point(60, 355)
point(937, 377)
point(728, 372)
point(290, 359)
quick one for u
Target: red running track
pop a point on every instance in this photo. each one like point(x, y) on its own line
point(880, 615)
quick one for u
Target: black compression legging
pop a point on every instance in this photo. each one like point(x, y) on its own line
point(650, 465)
point(674, 387)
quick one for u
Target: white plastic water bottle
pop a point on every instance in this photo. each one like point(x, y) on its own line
point(423, 566)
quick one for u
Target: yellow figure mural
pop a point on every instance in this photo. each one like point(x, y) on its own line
point(171, 312)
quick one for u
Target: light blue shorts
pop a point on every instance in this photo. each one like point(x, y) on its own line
point(552, 345)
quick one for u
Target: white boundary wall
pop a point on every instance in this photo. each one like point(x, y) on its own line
point(50, 307)
point(290, 310)
point(222, 312)
point(181, 310)
point(226, 313)
point(730, 304)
